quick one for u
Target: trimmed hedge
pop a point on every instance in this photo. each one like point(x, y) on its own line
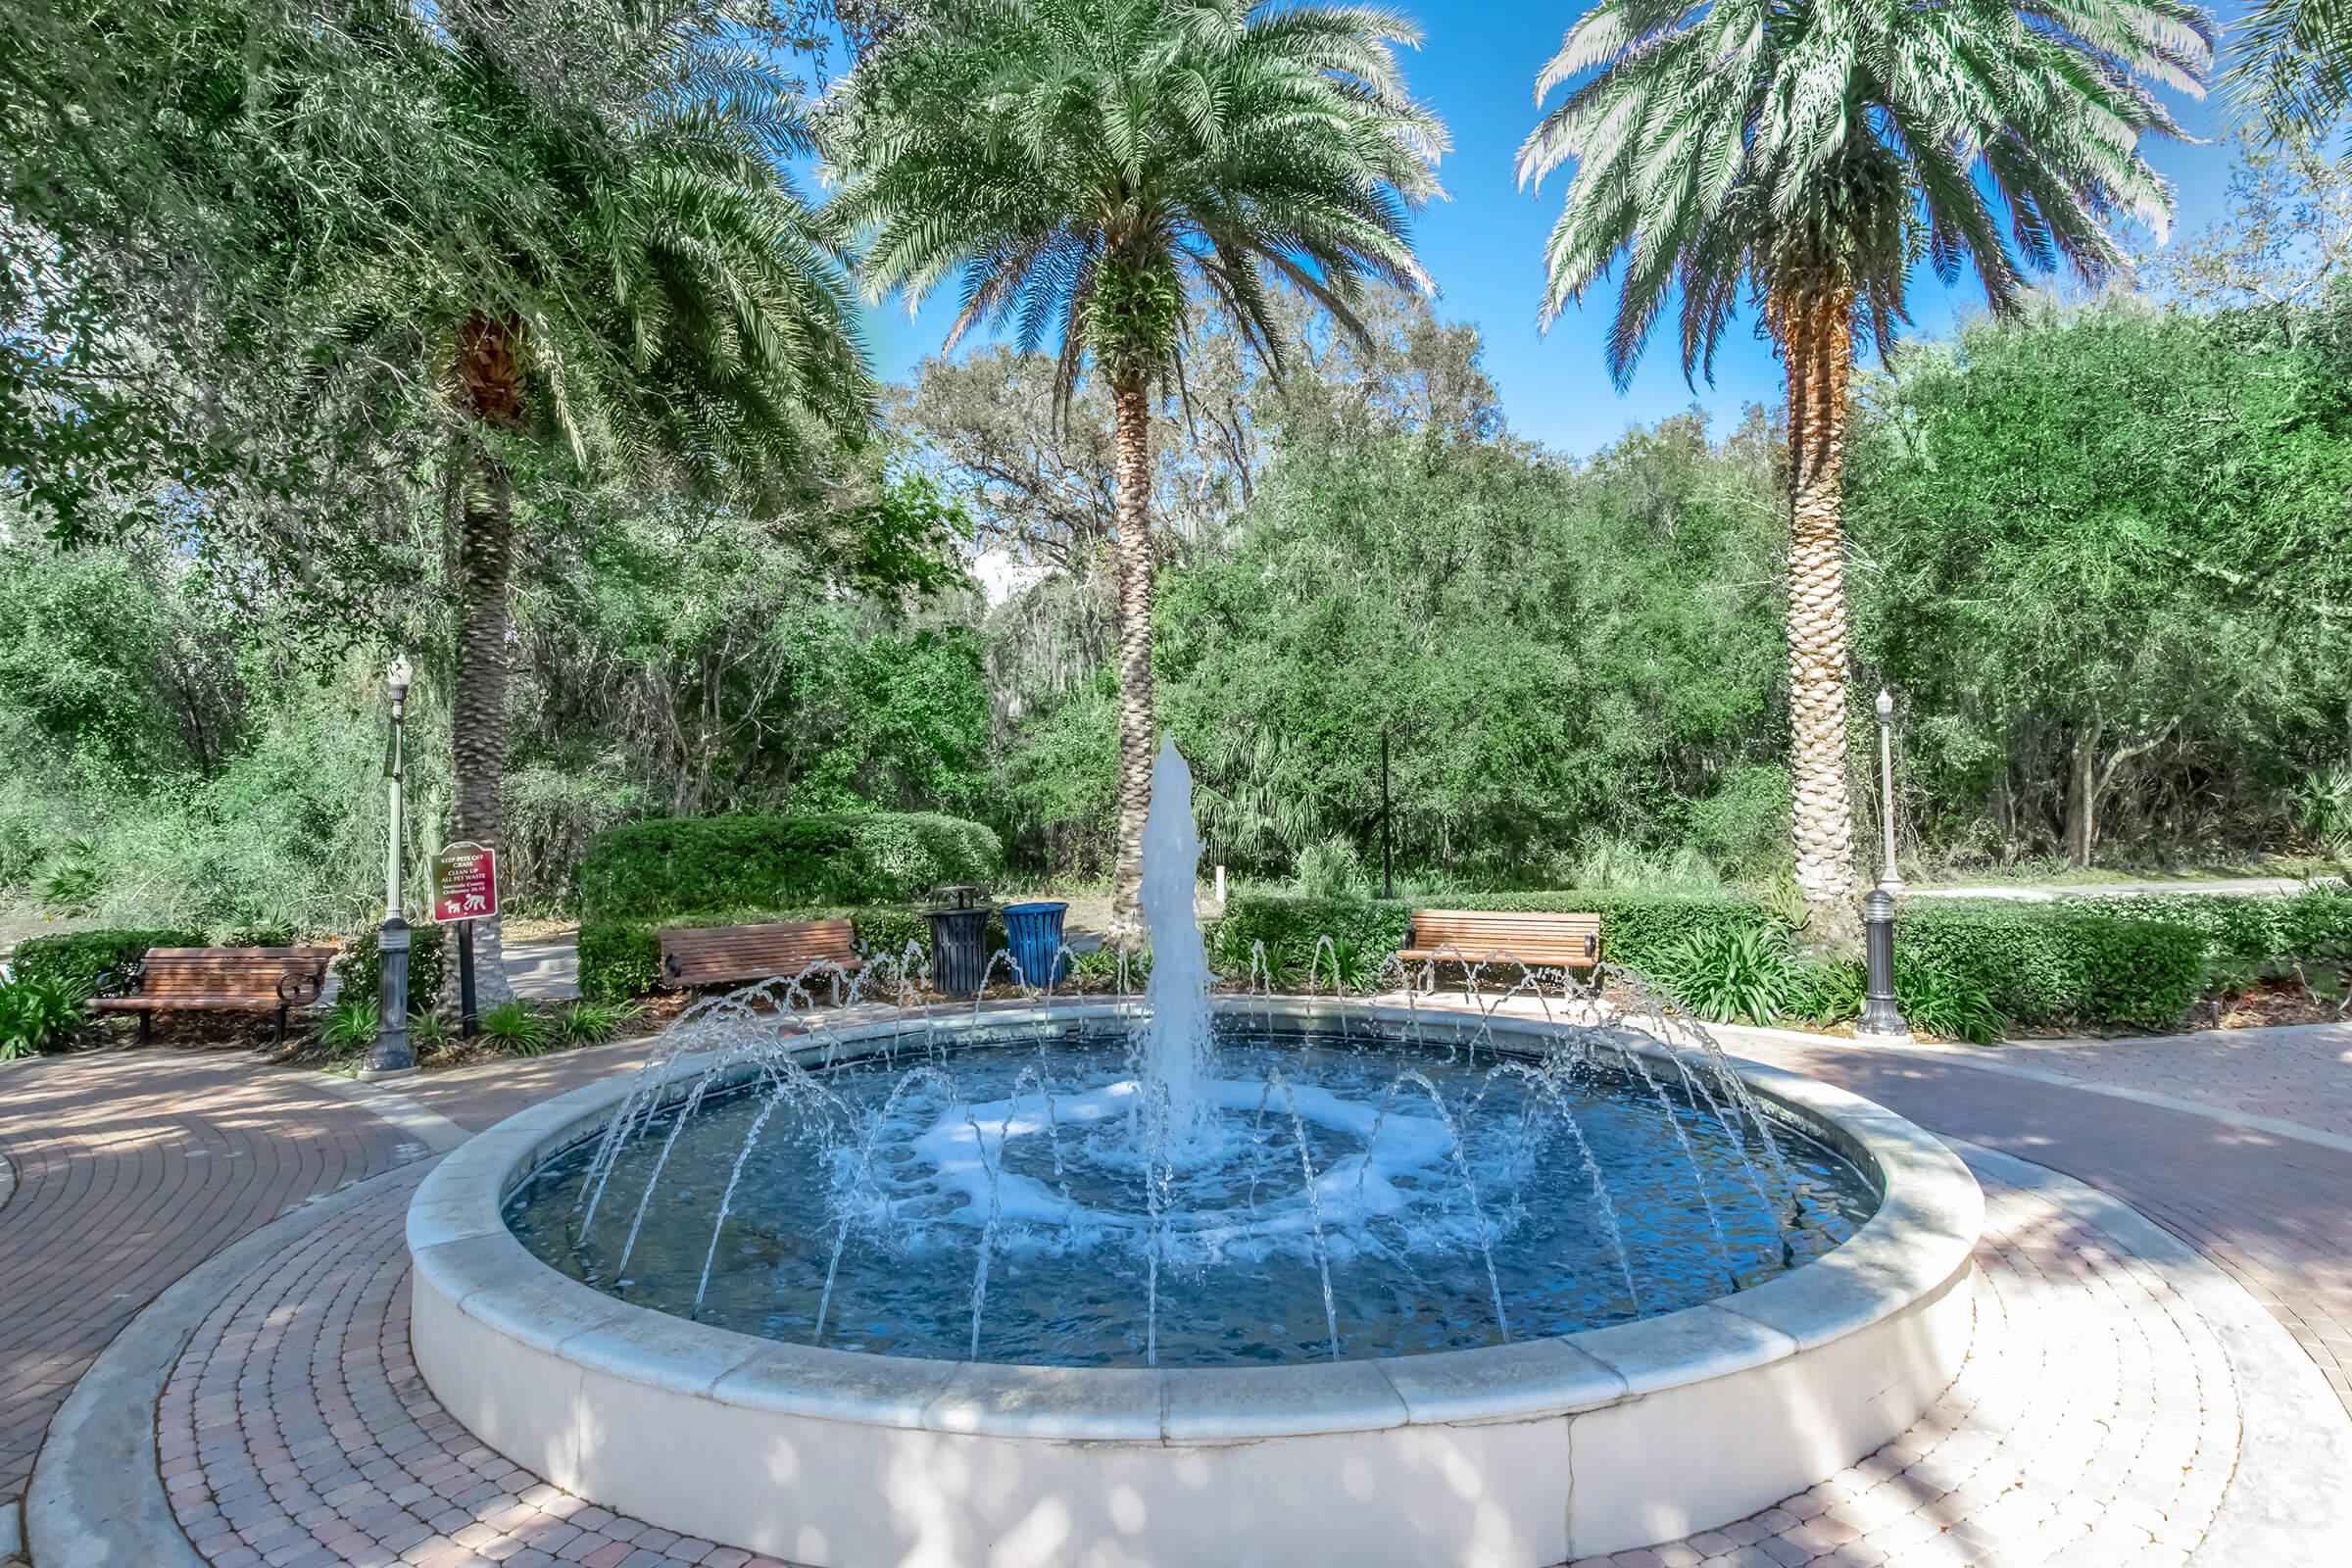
point(2075, 962)
point(1290, 926)
point(2316, 923)
point(362, 970)
point(656, 869)
point(1637, 929)
point(621, 960)
point(80, 958)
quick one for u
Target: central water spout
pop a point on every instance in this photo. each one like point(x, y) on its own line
point(1176, 1040)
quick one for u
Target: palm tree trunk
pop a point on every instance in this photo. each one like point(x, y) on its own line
point(485, 535)
point(1818, 344)
point(1135, 570)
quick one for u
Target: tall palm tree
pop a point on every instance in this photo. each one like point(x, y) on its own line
point(2291, 66)
point(1089, 167)
point(1807, 156)
point(551, 237)
point(618, 284)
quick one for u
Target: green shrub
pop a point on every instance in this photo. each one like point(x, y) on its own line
point(37, 1012)
point(362, 972)
point(621, 960)
point(1743, 826)
point(1733, 974)
point(1290, 926)
point(516, 1028)
point(430, 1034)
point(2083, 961)
point(1331, 870)
point(1934, 1003)
point(2316, 923)
point(660, 869)
point(350, 1025)
point(1102, 963)
point(2324, 812)
point(75, 879)
point(79, 959)
point(593, 1023)
point(1827, 992)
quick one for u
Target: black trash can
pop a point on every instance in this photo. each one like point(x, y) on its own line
point(959, 949)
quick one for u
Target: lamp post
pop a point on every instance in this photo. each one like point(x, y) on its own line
point(1887, 876)
point(1878, 1016)
point(390, 1054)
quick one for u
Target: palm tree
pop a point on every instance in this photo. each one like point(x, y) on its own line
point(625, 289)
point(1807, 155)
point(2293, 65)
point(1088, 167)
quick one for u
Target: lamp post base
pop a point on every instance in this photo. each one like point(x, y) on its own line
point(1879, 1018)
point(391, 1053)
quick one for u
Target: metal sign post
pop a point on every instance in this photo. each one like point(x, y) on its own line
point(465, 890)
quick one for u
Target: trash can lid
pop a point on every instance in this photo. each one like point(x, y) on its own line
point(1048, 906)
point(961, 892)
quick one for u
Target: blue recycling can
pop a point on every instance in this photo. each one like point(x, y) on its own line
point(1033, 931)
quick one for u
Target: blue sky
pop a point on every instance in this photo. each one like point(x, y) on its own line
point(1485, 246)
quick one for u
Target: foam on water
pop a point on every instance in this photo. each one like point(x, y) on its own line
point(961, 1174)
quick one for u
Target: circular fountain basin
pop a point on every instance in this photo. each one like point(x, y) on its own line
point(1526, 1452)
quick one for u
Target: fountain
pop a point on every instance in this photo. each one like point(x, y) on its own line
point(1135, 1278)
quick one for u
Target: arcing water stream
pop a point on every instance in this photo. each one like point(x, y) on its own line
point(1176, 1182)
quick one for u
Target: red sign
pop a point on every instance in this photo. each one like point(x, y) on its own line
point(465, 883)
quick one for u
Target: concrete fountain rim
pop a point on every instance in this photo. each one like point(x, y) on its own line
point(1914, 1247)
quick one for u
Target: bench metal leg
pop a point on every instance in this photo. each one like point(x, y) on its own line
point(278, 1039)
point(146, 1018)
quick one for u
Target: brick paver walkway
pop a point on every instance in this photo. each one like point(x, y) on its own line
point(130, 1169)
point(2275, 1213)
point(295, 1431)
point(2295, 1075)
point(2096, 1420)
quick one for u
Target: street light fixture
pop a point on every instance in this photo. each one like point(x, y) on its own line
point(391, 1053)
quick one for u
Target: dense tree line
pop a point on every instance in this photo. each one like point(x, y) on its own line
point(2100, 554)
point(334, 328)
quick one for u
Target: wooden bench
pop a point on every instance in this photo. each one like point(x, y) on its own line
point(721, 955)
point(1530, 941)
point(220, 980)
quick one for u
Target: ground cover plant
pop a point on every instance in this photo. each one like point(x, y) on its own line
point(37, 1012)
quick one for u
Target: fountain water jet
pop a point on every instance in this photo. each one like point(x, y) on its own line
point(1013, 1239)
point(1175, 1042)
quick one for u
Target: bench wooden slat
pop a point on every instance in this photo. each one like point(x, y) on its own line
point(710, 955)
point(1478, 936)
point(219, 979)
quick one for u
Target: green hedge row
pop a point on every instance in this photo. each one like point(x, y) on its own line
point(2076, 963)
point(362, 970)
point(2132, 962)
point(1637, 929)
point(654, 870)
point(2313, 925)
point(81, 958)
point(621, 960)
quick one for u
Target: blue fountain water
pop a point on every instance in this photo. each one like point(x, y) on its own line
point(1169, 1187)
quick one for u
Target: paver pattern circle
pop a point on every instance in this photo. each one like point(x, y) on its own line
point(2095, 1421)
